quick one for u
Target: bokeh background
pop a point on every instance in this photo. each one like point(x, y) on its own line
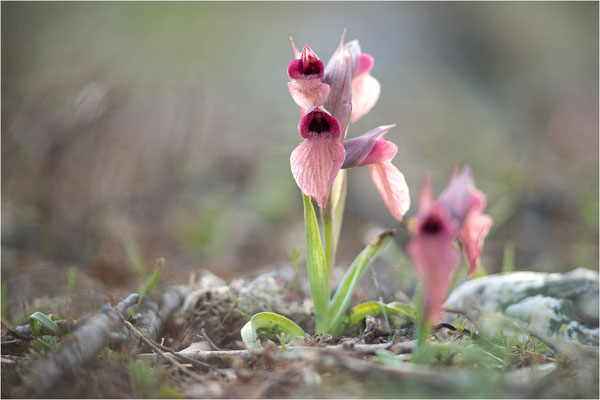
point(132, 131)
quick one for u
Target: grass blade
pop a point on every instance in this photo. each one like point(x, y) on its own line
point(153, 280)
point(271, 321)
point(374, 308)
point(38, 318)
point(343, 294)
point(317, 268)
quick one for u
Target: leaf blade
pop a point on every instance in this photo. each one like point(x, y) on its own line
point(317, 268)
point(271, 321)
point(359, 312)
point(37, 318)
point(343, 294)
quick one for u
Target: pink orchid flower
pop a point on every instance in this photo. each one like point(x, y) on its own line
point(467, 203)
point(432, 251)
point(317, 160)
point(456, 213)
point(365, 88)
point(306, 74)
point(371, 149)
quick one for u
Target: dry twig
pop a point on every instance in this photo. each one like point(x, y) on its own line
point(83, 345)
point(154, 316)
point(167, 356)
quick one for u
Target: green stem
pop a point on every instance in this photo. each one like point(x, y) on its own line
point(328, 243)
point(423, 328)
point(332, 217)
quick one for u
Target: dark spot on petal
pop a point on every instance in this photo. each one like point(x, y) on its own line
point(311, 68)
point(319, 124)
point(431, 226)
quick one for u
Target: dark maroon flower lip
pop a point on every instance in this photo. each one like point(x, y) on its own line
point(318, 122)
point(313, 70)
point(308, 66)
point(431, 226)
point(436, 222)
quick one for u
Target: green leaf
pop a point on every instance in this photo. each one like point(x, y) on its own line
point(343, 294)
point(38, 318)
point(41, 345)
point(397, 309)
point(153, 280)
point(317, 268)
point(271, 321)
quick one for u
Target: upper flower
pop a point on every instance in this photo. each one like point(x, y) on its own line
point(317, 160)
point(306, 73)
point(307, 66)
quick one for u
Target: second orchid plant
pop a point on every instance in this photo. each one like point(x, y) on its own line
point(330, 98)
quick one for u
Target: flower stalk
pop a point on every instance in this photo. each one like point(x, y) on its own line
point(332, 217)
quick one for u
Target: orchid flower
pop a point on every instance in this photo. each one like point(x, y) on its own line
point(432, 250)
point(317, 160)
point(457, 213)
point(469, 206)
point(306, 74)
point(371, 149)
point(365, 88)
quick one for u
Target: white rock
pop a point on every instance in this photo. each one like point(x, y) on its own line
point(546, 302)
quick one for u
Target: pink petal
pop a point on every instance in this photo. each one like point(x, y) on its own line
point(359, 148)
point(315, 164)
point(303, 111)
point(392, 187)
point(308, 92)
point(310, 62)
point(382, 151)
point(471, 236)
point(365, 64)
point(426, 198)
point(365, 93)
point(296, 52)
point(435, 259)
point(457, 196)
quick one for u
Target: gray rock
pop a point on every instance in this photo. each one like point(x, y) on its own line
point(561, 306)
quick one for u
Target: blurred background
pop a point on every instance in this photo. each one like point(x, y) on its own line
point(132, 131)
